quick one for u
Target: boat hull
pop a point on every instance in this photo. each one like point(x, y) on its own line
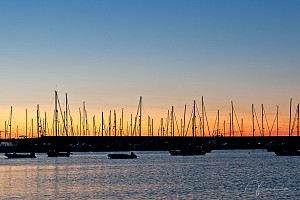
point(122, 156)
point(187, 152)
point(287, 152)
point(58, 154)
point(16, 155)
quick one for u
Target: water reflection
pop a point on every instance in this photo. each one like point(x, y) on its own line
point(154, 175)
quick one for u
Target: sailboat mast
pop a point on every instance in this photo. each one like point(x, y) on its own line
point(131, 129)
point(122, 122)
point(194, 119)
point(277, 120)
point(218, 125)
point(115, 123)
point(253, 129)
point(232, 120)
point(56, 114)
point(45, 126)
point(230, 125)
point(38, 120)
point(80, 122)
point(203, 121)
point(10, 118)
point(26, 123)
point(66, 114)
point(109, 123)
point(172, 122)
point(298, 119)
point(140, 117)
point(262, 120)
point(5, 127)
point(290, 117)
point(102, 125)
point(183, 128)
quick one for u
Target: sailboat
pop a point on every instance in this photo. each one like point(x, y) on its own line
point(187, 152)
point(287, 152)
point(55, 152)
point(122, 156)
point(20, 155)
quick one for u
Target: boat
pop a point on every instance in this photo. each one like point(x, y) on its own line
point(54, 153)
point(122, 156)
point(19, 155)
point(287, 152)
point(187, 152)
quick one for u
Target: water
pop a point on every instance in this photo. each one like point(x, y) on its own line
point(231, 174)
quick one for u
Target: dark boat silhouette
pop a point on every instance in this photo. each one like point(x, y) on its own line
point(20, 155)
point(287, 152)
point(54, 153)
point(122, 156)
point(187, 152)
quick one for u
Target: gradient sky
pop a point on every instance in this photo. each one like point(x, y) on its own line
point(171, 52)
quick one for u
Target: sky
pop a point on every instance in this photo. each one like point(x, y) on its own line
point(172, 52)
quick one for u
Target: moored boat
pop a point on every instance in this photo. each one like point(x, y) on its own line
point(287, 152)
point(187, 152)
point(54, 153)
point(122, 156)
point(20, 155)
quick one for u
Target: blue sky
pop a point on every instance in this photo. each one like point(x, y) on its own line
point(108, 53)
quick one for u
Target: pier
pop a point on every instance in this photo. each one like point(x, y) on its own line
point(141, 143)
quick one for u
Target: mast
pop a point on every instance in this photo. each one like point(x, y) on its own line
point(45, 129)
point(109, 123)
point(26, 122)
point(224, 128)
point(183, 128)
point(194, 119)
point(10, 117)
point(232, 120)
point(152, 127)
point(277, 120)
point(102, 125)
point(230, 125)
point(172, 122)
point(56, 114)
point(203, 121)
point(131, 132)
point(290, 117)
point(262, 120)
point(80, 122)
point(122, 122)
point(31, 127)
point(140, 117)
point(94, 125)
point(218, 125)
point(38, 120)
point(5, 129)
point(149, 126)
point(162, 126)
point(115, 123)
point(66, 114)
point(253, 129)
point(298, 119)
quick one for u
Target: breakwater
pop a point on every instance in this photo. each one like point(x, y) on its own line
point(141, 143)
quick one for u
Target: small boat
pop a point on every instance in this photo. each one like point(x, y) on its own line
point(122, 156)
point(19, 155)
point(187, 152)
point(54, 153)
point(287, 152)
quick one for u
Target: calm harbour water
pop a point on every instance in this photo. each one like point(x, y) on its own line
point(230, 174)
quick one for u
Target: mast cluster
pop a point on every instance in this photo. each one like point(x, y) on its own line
point(196, 125)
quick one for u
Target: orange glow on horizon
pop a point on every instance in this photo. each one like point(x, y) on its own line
point(158, 115)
